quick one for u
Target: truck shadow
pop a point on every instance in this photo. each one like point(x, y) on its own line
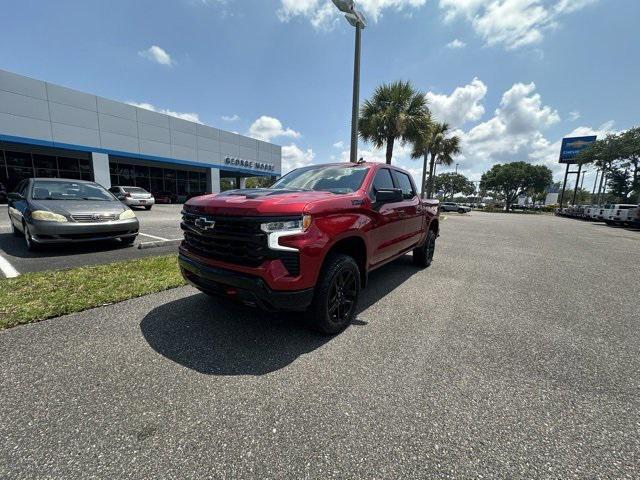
point(216, 337)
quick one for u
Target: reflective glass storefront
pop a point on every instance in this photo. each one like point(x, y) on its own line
point(163, 178)
point(18, 162)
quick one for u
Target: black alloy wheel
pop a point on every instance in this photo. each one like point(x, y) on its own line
point(335, 301)
point(423, 256)
point(342, 296)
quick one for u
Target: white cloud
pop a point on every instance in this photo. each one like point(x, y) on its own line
point(323, 14)
point(513, 133)
point(294, 157)
point(456, 44)
point(339, 144)
point(511, 23)
point(463, 105)
point(267, 128)
point(573, 116)
point(191, 117)
point(158, 55)
point(230, 118)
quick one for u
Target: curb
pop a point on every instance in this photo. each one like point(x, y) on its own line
point(159, 243)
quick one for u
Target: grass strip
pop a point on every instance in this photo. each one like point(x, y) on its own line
point(37, 296)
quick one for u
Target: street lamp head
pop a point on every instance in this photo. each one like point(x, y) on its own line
point(356, 19)
point(346, 6)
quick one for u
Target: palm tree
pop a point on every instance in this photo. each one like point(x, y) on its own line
point(434, 145)
point(396, 111)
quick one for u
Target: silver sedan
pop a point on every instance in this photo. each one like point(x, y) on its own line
point(52, 210)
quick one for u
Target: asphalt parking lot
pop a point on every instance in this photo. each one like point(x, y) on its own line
point(161, 223)
point(514, 356)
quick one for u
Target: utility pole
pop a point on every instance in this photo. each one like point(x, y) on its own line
point(564, 186)
point(357, 20)
point(575, 190)
point(595, 184)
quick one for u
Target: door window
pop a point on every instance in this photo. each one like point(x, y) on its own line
point(404, 182)
point(383, 180)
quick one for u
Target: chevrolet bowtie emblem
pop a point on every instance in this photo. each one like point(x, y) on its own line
point(204, 223)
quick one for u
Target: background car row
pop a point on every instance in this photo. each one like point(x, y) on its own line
point(612, 214)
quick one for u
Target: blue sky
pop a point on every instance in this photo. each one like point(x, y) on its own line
point(512, 76)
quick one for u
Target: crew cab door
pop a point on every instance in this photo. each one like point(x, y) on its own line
point(386, 232)
point(410, 210)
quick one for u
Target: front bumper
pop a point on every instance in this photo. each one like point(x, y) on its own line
point(71, 232)
point(248, 289)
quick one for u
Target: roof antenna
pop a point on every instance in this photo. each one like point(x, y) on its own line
point(361, 160)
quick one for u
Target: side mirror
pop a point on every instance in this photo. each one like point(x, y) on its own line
point(389, 195)
point(15, 196)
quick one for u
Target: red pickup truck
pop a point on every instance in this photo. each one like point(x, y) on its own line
point(309, 241)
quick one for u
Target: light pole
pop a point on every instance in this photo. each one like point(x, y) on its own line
point(357, 20)
point(457, 167)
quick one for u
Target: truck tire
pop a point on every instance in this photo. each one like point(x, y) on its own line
point(423, 256)
point(335, 300)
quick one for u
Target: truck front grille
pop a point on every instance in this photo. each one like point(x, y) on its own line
point(235, 240)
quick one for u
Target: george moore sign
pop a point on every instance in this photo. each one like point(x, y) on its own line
point(238, 162)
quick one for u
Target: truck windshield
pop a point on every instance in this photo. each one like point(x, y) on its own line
point(334, 179)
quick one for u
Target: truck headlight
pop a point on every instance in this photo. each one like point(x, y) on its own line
point(300, 225)
point(127, 214)
point(45, 216)
point(283, 229)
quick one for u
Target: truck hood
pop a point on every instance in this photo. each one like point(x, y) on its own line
point(257, 201)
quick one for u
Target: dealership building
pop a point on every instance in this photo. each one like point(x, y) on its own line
point(47, 130)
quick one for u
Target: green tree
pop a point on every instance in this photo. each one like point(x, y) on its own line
point(620, 184)
point(631, 153)
point(604, 154)
point(395, 112)
point(435, 146)
point(451, 183)
point(508, 181)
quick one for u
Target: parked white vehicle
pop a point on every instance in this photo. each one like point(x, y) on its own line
point(590, 211)
point(134, 196)
point(631, 216)
point(617, 213)
point(603, 212)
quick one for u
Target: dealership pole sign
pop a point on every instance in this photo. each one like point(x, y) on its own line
point(571, 147)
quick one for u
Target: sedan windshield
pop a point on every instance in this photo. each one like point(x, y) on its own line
point(334, 179)
point(57, 190)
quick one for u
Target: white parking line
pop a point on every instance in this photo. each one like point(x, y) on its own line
point(7, 269)
point(153, 236)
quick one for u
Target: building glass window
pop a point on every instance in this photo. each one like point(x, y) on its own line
point(48, 162)
point(181, 182)
point(86, 172)
point(157, 185)
point(41, 162)
point(68, 164)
